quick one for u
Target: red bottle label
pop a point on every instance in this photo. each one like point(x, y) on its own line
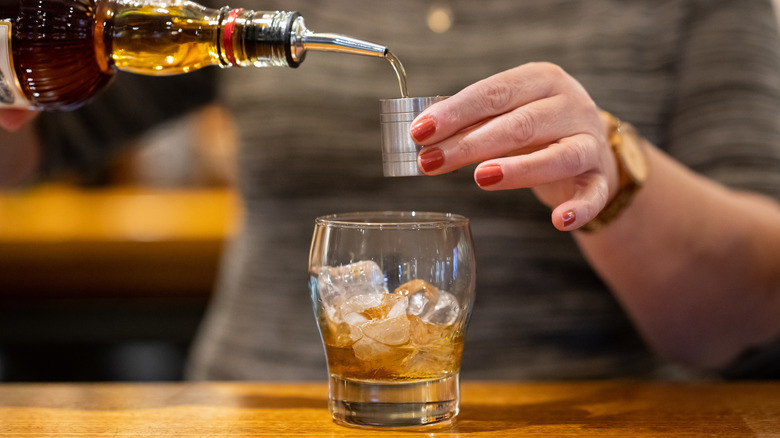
point(11, 95)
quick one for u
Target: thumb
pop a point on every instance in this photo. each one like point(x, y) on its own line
point(13, 119)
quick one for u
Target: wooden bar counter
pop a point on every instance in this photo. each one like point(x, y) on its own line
point(58, 241)
point(609, 408)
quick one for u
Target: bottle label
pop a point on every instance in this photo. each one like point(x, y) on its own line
point(11, 95)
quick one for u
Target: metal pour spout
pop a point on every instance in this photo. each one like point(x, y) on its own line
point(303, 40)
point(330, 42)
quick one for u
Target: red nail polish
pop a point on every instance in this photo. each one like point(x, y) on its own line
point(569, 218)
point(431, 158)
point(488, 175)
point(423, 129)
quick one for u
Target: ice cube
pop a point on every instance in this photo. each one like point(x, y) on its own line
point(388, 306)
point(398, 305)
point(355, 322)
point(445, 312)
point(422, 333)
point(429, 303)
point(376, 323)
point(362, 303)
point(389, 331)
point(338, 334)
point(338, 284)
point(377, 316)
point(359, 277)
point(422, 296)
point(437, 357)
point(368, 349)
point(434, 347)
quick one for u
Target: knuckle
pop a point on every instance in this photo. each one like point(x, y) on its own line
point(545, 66)
point(577, 155)
point(600, 189)
point(466, 147)
point(521, 128)
point(518, 172)
point(496, 97)
point(599, 198)
point(549, 70)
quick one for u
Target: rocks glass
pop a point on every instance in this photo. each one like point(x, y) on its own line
point(392, 293)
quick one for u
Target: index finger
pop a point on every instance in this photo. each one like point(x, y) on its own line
point(487, 98)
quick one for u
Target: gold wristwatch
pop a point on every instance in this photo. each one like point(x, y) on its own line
point(632, 169)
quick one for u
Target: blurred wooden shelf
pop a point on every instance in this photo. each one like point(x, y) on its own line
point(62, 241)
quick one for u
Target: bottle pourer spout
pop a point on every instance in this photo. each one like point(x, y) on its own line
point(303, 40)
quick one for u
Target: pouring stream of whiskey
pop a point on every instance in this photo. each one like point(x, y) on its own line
point(399, 72)
point(329, 42)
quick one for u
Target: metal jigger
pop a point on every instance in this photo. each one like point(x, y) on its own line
point(399, 151)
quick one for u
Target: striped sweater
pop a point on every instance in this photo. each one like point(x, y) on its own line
point(698, 78)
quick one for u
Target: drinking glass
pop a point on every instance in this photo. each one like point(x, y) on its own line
point(392, 293)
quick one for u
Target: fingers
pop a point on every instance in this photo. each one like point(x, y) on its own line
point(530, 127)
point(568, 158)
point(584, 196)
point(496, 95)
point(584, 205)
point(13, 119)
point(578, 161)
point(519, 131)
point(513, 112)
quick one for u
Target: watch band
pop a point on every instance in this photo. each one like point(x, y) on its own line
point(612, 210)
point(629, 184)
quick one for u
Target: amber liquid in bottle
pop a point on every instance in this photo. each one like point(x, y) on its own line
point(164, 41)
point(53, 48)
point(65, 51)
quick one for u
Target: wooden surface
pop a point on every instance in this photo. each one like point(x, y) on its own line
point(624, 409)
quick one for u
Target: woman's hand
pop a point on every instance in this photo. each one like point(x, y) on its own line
point(530, 127)
point(13, 119)
point(19, 151)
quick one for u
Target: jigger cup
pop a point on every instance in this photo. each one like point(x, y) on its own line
point(399, 151)
point(392, 293)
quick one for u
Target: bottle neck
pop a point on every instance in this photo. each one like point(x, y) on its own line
point(277, 38)
point(258, 38)
point(143, 37)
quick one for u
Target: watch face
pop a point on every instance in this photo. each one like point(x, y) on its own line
point(631, 154)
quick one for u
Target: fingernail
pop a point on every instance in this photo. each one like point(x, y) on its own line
point(431, 158)
point(569, 218)
point(423, 128)
point(488, 175)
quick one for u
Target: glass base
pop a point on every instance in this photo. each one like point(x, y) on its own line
point(396, 404)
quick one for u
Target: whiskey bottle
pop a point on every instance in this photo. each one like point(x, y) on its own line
point(61, 53)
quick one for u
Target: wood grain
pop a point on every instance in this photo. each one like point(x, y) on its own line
point(619, 408)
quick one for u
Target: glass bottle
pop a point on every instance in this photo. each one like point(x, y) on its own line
point(61, 53)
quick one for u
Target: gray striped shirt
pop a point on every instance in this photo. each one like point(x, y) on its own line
point(700, 79)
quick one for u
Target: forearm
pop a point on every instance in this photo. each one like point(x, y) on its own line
point(695, 264)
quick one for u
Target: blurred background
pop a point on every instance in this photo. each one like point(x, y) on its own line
point(108, 281)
